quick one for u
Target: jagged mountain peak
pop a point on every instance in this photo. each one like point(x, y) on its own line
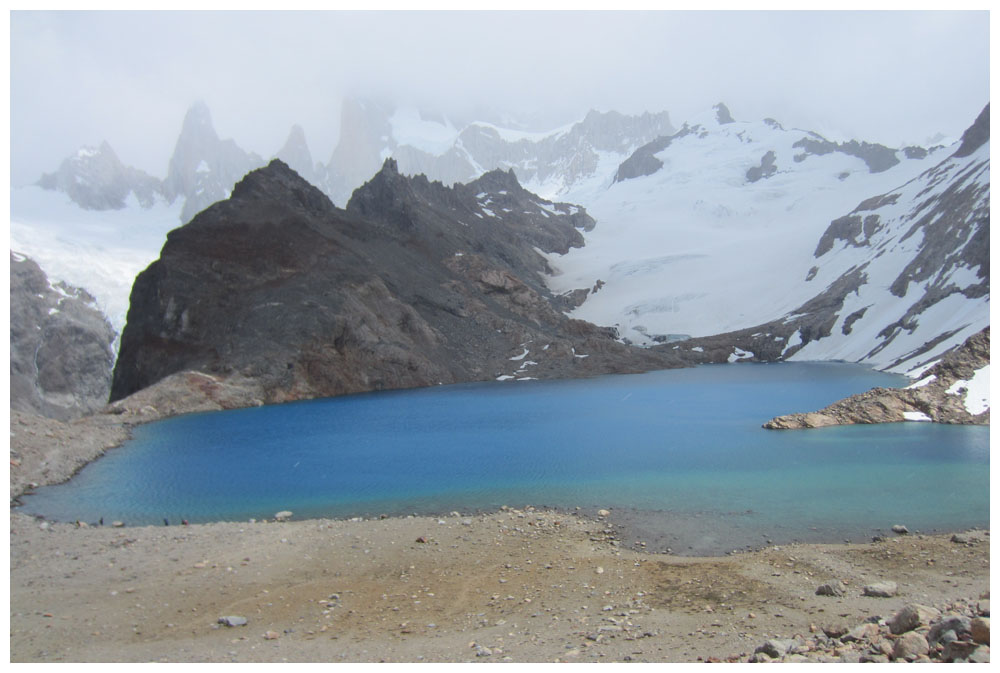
point(497, 180)
point(277, 182)
point(295, 152)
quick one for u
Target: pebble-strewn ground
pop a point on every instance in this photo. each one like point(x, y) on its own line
point(515, 585)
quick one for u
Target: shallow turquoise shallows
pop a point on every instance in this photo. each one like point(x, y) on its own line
point(687, 443)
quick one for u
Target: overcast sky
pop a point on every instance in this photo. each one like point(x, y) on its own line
point(82, 77)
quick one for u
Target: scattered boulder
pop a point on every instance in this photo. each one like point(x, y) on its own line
point(900, 529)
point(912, 616)
point(776, 648)
point(233, 620)
point(860, 632)
point(910, 645)
point(283, 515)
point(830, 589)
point(880, 589)
point(958, 650)
point(957, 624)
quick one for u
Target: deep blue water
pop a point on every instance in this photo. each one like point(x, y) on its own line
point(687, 442)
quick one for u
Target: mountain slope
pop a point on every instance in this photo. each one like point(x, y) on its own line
point(413, 284)
point(60, 345)
point(714, 228)
point(897, 282)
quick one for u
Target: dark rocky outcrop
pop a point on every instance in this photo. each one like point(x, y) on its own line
point(888, 405)
point(644, 162)
point(722, 114)
point(878, 157)
point(414, 284)
point(976, 135)
point(766, 169)
point(60, 346)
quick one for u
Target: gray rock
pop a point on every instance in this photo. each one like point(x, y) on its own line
point(233, 620)
point(880, 589)
point(283, 515)
point(958, 650)
point(960, 538)
point(776, 648)
point(909, 646)
point(900, 529)
point(912, 616)
point(958, 624)
point(860, 632)
point(830, 589)
point(980, 655)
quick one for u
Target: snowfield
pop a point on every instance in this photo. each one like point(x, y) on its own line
point(696, 248)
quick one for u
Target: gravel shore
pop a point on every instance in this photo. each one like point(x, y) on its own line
point(519, 585)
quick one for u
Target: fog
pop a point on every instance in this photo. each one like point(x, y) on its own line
point(128, 77)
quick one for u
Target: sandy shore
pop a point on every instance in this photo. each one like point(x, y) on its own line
point(509, 586)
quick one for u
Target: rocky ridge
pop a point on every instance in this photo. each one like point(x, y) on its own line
point(940, 396)
point(561, 158)
point(414, 284)
point(60, 345)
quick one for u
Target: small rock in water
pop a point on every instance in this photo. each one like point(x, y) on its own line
point(283, 515)
point(603, 512)
point(900, 529)
point(233, 620)
point(118, 524)
point(880, 589)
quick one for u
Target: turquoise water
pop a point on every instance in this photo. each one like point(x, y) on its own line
point(684, 443)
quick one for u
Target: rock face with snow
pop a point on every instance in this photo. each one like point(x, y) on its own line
point(547, 162)
point(60, 346)
point(904, 276)
point(413, 284)
point(955, 390)
point(718, 233)
point(95, 179)
point(204, 168)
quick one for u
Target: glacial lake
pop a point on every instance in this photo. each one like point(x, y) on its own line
point(679, 456)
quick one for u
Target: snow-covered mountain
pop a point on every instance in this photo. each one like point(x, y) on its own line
point(547, 163)
point(717, 227)
point(727, 225)
point(95, 179)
